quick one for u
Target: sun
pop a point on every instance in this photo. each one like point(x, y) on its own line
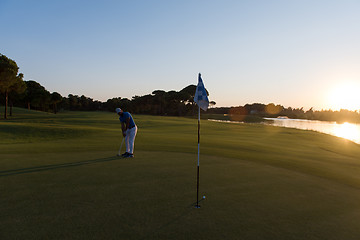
point(345, 96)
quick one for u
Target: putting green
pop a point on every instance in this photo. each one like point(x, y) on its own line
point(260, 182)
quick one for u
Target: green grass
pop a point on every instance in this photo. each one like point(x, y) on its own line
point(60, 179)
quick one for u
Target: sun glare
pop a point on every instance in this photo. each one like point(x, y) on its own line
point(348, 131)
point(345, 96)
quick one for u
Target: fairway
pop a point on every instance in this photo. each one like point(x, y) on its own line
point(60, 179)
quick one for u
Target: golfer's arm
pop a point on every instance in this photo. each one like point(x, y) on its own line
point(127, 123)
point(123, 127)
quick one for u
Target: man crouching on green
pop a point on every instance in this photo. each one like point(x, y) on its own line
point(129, 130)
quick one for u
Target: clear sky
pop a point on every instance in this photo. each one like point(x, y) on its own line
point(290, 52)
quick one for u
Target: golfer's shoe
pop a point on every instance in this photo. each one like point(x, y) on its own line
point(124, 154)
point(129, 155)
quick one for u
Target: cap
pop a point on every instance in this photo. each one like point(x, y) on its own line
point(118, 110)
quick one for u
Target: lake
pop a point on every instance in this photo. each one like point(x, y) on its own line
point(350, 131)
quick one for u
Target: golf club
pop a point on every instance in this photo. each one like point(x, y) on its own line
point(122, 142)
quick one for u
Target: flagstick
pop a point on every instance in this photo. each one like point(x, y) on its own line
point(198, 164)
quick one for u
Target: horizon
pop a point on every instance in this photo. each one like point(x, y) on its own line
point(233, 106)
point(130, 98)
point(291, 54)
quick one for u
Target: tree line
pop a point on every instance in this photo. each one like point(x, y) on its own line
point(32, 95)
point(159, 102)
point(14, 91)
point(272, 111)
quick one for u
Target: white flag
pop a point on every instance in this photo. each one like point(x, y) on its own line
point(201, 98)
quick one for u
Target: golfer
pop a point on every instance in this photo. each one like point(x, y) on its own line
point(129, 130)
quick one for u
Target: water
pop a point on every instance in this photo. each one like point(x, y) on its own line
point(350, 131)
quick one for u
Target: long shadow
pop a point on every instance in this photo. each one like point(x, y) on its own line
point(54, 166)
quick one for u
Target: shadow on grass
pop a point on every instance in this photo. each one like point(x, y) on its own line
point(55, 166)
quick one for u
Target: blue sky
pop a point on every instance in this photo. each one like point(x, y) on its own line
point(291, 53)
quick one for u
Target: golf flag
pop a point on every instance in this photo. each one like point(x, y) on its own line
point(201, 98)
point(202, 101)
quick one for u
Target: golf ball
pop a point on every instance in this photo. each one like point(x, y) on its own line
point(204, 197)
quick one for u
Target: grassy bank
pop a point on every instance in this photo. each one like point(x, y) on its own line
point(60, 179)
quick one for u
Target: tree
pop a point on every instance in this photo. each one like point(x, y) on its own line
point(273, 109)
point(113, 103)
point(10, 80)
point(159, 101)
point(15, 90)
point(37, 96)
point(74, 102)
point(85, 103)
point(55, 99)
point(187, 94)
point(212, 103)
